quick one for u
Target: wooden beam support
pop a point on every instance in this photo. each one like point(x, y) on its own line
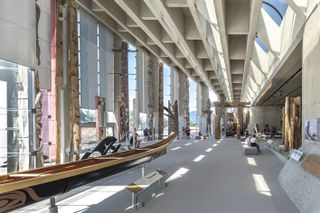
point(292, 123)
point(161, 119)
point(240, 121)
point(217, 132)
point(74, 80)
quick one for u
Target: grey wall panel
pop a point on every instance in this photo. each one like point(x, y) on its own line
point(18, 31)
point(107, 67)
point(88, 60)
point(44, 33)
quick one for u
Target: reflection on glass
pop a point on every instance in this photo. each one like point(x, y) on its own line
point(17, 125)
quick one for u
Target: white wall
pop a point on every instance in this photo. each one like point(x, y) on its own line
point(18, 32)
point(261, 115)
point(44, 33)
point(310, 69)
point(3, 123)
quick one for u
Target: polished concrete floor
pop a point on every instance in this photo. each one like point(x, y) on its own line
point(205, 177)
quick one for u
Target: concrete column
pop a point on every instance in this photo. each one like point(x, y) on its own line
point(155, 94)
point(183, 102)
point(199, 106)
point(310, 72)
point(217, 116)
point(205, 108)
point(174, 89)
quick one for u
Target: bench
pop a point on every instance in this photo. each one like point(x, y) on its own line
point(250, 150)
point(146, 187)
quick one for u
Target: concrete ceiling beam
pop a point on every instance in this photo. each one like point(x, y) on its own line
point(145, 13)
point(237, 47)
point(237, 87)
point(178, 53)
point(149, 41)
point(207, 66)
point(121, 29)
point(115, 19)
point(254, 19)
point(237, 17)
point(173, 21)
point(131, 23)
point(220, 12)
point(191, 32)
point(176, 3)
point(201, 51)
point(152, 29)
point(236, 66)
point(95, 7)
point(165, 37)
point(201, 25)
point(298, 6)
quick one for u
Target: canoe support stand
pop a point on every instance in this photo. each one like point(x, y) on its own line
point(143, 170)
point(53, 208)
point(147, 187)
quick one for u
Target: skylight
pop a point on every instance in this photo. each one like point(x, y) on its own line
point(261, 44)
point(276, 9)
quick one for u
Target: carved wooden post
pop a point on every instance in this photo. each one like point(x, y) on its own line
point(217, 132)
point(283, 126)
point(292, 123)
point(150, 94)
point(38, 101)
point(124, 106)
point(296, 120)
point(73, 67)
point(208, 126)
point(287, 123)
point(161, 119)
point(58, 79)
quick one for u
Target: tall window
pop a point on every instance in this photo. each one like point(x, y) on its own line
point(132, 77)
point(276, 9)
point(16, 117)
point(166, 93)
point(96, 72)
point(88, 49)
point(193, 103)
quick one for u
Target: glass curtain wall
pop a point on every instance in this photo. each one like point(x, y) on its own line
point(132, 75)
point(193, 105)
point(16, 116)
point(166, 95)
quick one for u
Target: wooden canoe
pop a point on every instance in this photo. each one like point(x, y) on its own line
point(24, 188)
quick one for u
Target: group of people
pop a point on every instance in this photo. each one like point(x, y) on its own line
point(146, 133)
point(186, 131)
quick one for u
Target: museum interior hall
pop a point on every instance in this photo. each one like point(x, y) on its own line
point(160, 106)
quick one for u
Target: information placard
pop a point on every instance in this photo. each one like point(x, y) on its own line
point(296, 155)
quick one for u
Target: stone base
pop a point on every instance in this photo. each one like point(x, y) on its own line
point(250, 150)
point(301, 186)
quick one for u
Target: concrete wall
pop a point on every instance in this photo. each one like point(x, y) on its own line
point(155, 88)
point(174, 85)
point(199, 106)
point(310, 69)
point(18, 32)
point(262, 115)
point(301, 186)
